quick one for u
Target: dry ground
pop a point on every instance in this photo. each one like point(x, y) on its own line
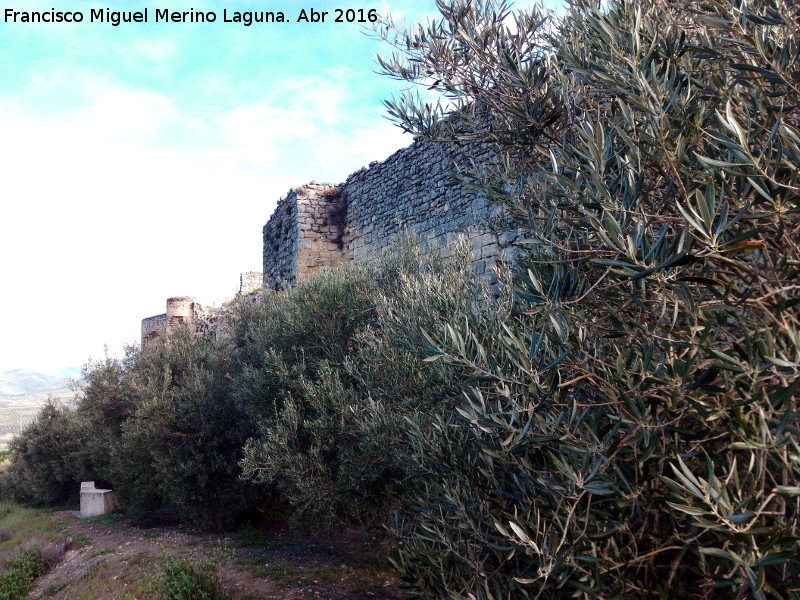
point(110, 558)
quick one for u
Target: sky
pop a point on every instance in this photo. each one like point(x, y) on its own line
point(141, 161)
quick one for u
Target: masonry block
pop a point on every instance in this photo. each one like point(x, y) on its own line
point(95, 502)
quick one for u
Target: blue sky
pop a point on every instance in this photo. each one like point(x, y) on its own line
point(141, 161)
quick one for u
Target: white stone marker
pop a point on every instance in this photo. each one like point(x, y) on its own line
point(96, 502)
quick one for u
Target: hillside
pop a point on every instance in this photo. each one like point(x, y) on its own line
point(23, 392)
point(20, 382)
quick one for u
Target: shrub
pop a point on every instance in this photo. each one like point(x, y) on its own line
point(333, 442)
point(180, 449)
point(179, 579)
point(45, 457)
point(109, 399)
point(159, 426)
point(23, 570)
point(632, 432)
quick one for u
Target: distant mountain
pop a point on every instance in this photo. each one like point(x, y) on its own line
point(26, 383)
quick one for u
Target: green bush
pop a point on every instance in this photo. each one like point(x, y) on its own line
point(159, 426)
point(109, 399)
point(632, 431)
point(23, 570)
point(179, 579)
point(308, 401)
point(45, 458)
point(179, 450)
point(331, 441)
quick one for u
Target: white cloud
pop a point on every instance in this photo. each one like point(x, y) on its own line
point(123, 113)
point(128, 197)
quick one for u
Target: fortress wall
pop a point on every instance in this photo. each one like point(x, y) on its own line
point(153, 328)
point(322, 225)
point(321, 228)
point(304, 233)
point(412, 192)
point(280, 243)
point(180, 311)
point(250, 282)
point(187, 311)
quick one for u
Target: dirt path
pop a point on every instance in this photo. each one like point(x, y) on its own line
point(109, 558)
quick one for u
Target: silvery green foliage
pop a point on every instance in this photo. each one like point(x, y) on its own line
point(45, 458)
point(333, 424)
point(178, 451)
point(632, 432)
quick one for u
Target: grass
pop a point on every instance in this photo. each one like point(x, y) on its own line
point(254, 555)
point(250, 537)
point(30, 544)
point(100, 552)
point(108, 521)
point(31, 541)
point(54, 588)
point(22, 524)
point(285, 574)
point(118, 580)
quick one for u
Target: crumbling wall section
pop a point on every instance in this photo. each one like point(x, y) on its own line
point(412, 192)
point(304, 233)
point(206, 319)
point(321, 223)
point(250, 282)
point(153, 328)
point(199, 318)
point(280, 243)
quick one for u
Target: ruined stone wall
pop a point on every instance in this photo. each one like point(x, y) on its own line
point(200, 319)
point(153, 328)
point(411, 192)
point(280, 242)
point(304, 233)
point(250, 282)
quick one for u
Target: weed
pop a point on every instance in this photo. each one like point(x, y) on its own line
point(108, 521)
point(284, 574)
point(24, 524)
point(250, 537)
point(139, 559)
point(151, 534)
point(101, 551)
point(23, 571)
point(178, 579)
point(54, 588)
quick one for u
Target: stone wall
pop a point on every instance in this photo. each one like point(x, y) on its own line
point(190, 312)
point(303, 234)
point(153, 328)
point(411, 192)
point(250, 282)
point(181, 311)
point(323, 225)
